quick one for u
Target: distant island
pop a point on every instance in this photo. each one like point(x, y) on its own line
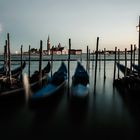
point(59, 50)
point(54, 50)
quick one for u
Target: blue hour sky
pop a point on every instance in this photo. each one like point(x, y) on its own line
point(29, 21)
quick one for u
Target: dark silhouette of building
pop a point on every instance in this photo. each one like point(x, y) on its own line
point(48, 45)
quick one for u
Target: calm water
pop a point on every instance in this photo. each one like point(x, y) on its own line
point(105, 115)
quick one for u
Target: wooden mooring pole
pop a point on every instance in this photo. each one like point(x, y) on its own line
point(40, 62)
point(99, 60)
point(93, 59)
point(52, 61)
point(131, 57)
point(9, 57)
point(29, 66)
point(134, 54)
point(104, 63)
point(115, 65)
point(87, 59)
point(5, 57)
point(139, 49)
point(69, 66)
point(96, 61)
point(118, 63)
point(21, 55)
point(125, 74)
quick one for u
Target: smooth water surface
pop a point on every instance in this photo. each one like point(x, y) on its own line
point(104, 115)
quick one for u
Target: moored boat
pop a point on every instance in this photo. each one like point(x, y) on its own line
point(56, 83)
point(80, 81)
point(17, 88)
point(136, 67)
point(130, 83)
point(123, 69)
point(15, 72)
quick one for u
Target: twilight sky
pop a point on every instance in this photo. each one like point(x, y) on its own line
point(29, 21)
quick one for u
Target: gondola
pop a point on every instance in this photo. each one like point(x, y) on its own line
point(122, 68)
point(130, 82)
point(35, 76)
point(56, 83)
point(136, 67)
point(80, 81)
point(2, 69)
point(15, 72)
point(17, 89)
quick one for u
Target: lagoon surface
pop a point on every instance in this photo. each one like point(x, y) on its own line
point(105, 115)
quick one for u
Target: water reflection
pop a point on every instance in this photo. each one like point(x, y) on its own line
point(77, 110)
point(105, 112)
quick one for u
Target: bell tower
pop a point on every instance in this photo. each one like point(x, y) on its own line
point(48, 44)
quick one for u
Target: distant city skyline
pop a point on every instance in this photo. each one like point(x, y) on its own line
point(29, 21)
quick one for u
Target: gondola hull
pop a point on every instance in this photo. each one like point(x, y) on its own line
point(80, 91)
point(136, 67)
point(17, 93)
point(122, 68)
point(49, 91)
point(15, 72)
point(53, 89)
point(80, 81)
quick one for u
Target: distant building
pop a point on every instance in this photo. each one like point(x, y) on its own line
point(61, 50)
point(58, 50)
point(65, 51)
point(34, 51)
point(74, 52)
point(48, 45)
